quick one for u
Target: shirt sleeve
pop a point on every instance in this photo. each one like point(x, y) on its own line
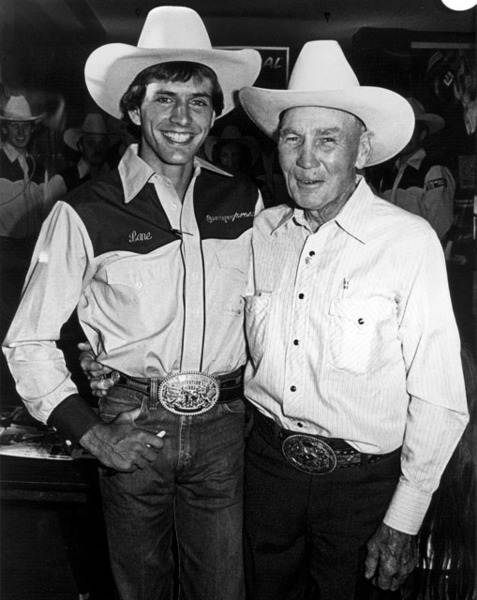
point(51, 292)
point(437, 412)
point(437, 202)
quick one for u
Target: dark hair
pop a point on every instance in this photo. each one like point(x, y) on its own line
point(180, 71)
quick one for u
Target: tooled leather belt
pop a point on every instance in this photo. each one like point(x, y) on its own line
point(313, 454)
point(185, 392)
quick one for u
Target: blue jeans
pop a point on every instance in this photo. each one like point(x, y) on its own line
point(192, 493)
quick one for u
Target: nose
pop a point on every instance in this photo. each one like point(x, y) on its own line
point(307, 158)
point(181, 114)
point(22, 128)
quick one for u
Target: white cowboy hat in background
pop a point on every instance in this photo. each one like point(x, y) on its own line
point(323, 77)
point(93, 123)
point(434, 122)
point(170, 33)
point(231, 133)
point(17, 108)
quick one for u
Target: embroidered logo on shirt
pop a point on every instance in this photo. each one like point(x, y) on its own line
point(230, 218)
point(139, 237)
point(436, 183)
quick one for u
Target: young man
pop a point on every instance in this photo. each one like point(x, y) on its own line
point(154, 256)
point(355, 371)
point(23, 180)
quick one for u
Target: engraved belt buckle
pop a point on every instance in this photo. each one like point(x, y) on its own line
point(309, 454)
point(189, 393)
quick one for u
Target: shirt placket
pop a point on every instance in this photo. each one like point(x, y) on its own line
point(295, 374)
point(194, 293)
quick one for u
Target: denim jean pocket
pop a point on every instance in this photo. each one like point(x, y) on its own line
point(113, 405)
point(236, 407)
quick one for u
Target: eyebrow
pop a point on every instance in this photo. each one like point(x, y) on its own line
point(319, 131)
point(174, 94)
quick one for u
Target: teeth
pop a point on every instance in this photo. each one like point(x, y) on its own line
point(178, 137)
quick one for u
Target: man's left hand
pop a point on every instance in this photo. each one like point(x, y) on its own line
point(391, 557)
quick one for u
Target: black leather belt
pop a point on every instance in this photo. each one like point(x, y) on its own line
point(313, 454)
point(229, 387)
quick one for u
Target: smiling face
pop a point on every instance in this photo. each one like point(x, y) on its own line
point(320, 150)
point(175, 118)
point(18, 133)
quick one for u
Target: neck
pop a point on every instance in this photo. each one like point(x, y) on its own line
point(179, 175)
point(316, 218)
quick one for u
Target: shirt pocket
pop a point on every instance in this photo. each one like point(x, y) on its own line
point(362, 331)
point(257, 310)
point(232, 278)
point(130, 274)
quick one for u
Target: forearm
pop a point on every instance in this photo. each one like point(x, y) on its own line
point(431, 436)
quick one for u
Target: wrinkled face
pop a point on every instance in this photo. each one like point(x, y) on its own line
point(18, 134)
point(175, 119)
point(229, 157)
point(94, 147)
point(319, 151)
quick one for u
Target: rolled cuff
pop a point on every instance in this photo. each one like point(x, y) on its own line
point(407, 509)
point(72, 418)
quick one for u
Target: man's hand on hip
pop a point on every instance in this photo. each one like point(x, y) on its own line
point(391, 557)
point(121, 444)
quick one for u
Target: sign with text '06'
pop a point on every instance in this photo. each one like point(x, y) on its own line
point(274, 71)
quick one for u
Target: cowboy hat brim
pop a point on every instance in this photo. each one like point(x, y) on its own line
point(386, 114)
point(72, 136)
point(433, 122)
point(111, 69)
point(17, 118)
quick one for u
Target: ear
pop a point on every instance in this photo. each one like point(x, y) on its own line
point(365, 149)
point(135, 116)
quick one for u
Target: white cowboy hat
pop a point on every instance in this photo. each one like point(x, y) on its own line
point(170, 33)
point(18, 109)
point(93, 123)
point(323, 77)
point(230, 133)
point(434, 122)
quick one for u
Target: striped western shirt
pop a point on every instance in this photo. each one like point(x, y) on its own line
point(158, 284)
point(352, 335)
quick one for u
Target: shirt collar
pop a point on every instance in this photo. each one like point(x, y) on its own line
point(135, 173)
point(353, 218)
point(11, 152)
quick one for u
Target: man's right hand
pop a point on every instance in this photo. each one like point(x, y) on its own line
point(121, 444)
point(96, 373)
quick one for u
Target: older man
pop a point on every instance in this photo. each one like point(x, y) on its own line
point(354, 372)
point(154, 256)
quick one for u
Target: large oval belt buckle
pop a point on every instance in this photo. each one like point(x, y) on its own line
point(189, 393)
point(309, 454)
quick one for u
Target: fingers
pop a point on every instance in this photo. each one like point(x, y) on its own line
point(100, 386)
point(371, 561)
point(85, 347)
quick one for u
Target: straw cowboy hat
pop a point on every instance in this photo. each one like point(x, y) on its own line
point(93, 123)
point(18, 109)
point(170, 33)
point(230, 133)
point(434, 122)
point(323, 77)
